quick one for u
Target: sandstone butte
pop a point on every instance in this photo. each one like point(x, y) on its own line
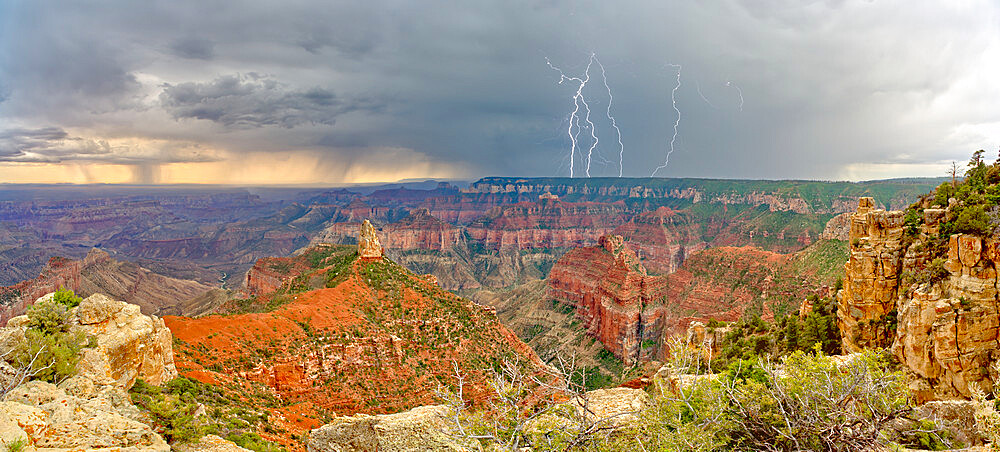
point(380, 339)
point(632, 313)
point(947, 330)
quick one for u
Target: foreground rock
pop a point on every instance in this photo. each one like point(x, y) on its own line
point(422, 428)
point(597, 410)
point(940, 316)
point(209, 443)
point(92, 409)
point(432, 428)
point(77, 414)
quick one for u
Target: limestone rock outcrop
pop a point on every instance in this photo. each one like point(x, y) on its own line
point(422, 428)
point(128, 344)
point(872, 276)
point(368, 244)
point(92, 409)
point(941, 318)
point(76, 415)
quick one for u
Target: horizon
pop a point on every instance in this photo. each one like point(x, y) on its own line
point(404, 182)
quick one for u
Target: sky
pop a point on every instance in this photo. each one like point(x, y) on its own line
point(328, 92)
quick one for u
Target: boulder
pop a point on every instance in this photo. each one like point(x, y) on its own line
point(130, 345)
point(92, 409)
point(209, 443)
point(422, 428)
point(607, 408)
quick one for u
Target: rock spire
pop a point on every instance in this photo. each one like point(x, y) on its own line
point(368, 244)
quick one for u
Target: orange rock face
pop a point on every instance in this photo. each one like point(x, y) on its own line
point(872, 276)
point(623, 307)
point(613, 295)
point(946, 327)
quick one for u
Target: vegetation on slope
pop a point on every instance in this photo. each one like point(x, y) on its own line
point(357, 335)
point(862, 404)
point(229, 412)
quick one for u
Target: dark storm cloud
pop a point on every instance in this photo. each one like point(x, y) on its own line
point(193, 48)
point(253, 100)
point(829, 87)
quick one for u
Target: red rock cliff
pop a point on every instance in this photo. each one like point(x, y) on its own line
point(618, 302)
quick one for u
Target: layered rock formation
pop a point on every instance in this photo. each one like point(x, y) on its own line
point(547, 223)
point(619, 303)
point(940, 316)
point(663, 238)
point(417, 231)
point(872, 276)
point(100, 273)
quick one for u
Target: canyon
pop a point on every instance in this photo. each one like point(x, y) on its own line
point(97, 273)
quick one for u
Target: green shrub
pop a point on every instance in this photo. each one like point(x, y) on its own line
point(936, 271)
point(17, 445)
point(172, 413)
point(66, 298)
point(253, 442)
point(973, 220)
point(48, 317)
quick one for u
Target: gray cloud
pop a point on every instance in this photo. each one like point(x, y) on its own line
point(828, 86)
point(55, 145)
point(253, 100)
point(193, 48)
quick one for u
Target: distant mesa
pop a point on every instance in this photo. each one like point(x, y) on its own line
point(368, 244)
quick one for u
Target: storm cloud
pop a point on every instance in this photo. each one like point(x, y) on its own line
point(55, 145)
point(253, 100)
point(831, 89)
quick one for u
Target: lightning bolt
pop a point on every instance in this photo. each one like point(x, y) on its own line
point(574, 115)
point(738, 90)
point(698, 88)
point(673, 100)
point(611, 98)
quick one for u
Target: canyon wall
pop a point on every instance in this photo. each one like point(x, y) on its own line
point(619, 303)
point(941, 316)
point(98, 272)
